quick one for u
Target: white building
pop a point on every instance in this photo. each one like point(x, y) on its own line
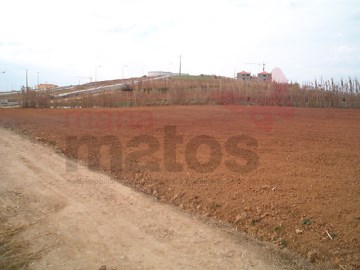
point(8, 102)
point(160, 73)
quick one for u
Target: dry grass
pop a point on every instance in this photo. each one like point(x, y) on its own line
point(36, 99)
point(14, 250)
point(215, 90)
point(12, 254)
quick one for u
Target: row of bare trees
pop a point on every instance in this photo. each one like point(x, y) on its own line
point(35, 99)
point(211, 90)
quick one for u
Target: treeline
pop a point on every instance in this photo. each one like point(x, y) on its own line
point(210, 90)
point(35, 99)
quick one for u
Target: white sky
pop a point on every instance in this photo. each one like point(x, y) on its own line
point(65, 39)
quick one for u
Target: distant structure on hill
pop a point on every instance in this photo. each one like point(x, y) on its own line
point(275, 76)
point(45, 86)
point(160, 73)
point(164, 73)
point(262, 76)
point(244, 75)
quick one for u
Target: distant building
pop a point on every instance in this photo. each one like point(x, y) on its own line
point(160, 73)
point(8, 102)
point(264, 76)
point(244, 75)
point(45, 86)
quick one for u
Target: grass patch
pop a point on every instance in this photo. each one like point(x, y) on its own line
point(14, 252)
point(306, 221)
point(214, 205)
point(52, 142)
point(283, 243)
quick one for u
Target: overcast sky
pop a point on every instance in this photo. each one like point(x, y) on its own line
point(65, 39)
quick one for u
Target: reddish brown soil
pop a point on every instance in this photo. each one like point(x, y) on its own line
point(304, 193)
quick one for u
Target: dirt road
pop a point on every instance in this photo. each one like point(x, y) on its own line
point(85, 220)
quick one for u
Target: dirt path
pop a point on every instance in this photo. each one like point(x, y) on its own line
point(87, 220)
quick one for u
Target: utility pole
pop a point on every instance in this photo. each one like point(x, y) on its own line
point(96, 72)
point(89, 78)
point(27, 84)
point(122, 73)
point(38, 80)
point(180, 66)
point(2, 72)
